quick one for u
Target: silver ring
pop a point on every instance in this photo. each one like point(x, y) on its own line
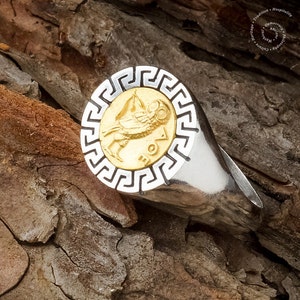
point(144, 133)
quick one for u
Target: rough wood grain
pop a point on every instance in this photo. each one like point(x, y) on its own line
point(33, 138)
point(251, 98)
point(14, 79)
point(14, 260)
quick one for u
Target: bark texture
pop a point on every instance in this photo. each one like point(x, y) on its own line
point(54, 212)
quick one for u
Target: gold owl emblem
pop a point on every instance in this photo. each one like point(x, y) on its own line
point(137, 128)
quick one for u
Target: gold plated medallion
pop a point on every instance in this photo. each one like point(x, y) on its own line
point(137, 128)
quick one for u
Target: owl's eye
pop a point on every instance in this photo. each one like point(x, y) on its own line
point(161, 114)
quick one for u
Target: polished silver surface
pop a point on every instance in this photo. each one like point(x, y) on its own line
point(194, 167)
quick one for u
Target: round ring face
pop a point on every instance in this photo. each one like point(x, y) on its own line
point(138, 129)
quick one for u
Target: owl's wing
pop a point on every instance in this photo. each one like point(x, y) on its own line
point(111, 129)
point(133, 104)
point(142, 117)
point(135, 122)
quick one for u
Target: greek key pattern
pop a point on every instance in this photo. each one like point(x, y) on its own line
point(134, 181)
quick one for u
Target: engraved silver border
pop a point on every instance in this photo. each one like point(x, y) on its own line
point(133, 181)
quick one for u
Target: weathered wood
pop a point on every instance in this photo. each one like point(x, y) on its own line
point(40, 146)
point(14, 260)
point(251, 98)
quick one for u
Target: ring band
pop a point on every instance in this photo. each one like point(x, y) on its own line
point(144, 133)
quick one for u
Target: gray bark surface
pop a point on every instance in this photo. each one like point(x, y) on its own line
point(54, 210)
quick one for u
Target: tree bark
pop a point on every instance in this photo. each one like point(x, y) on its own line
point(248, 86)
